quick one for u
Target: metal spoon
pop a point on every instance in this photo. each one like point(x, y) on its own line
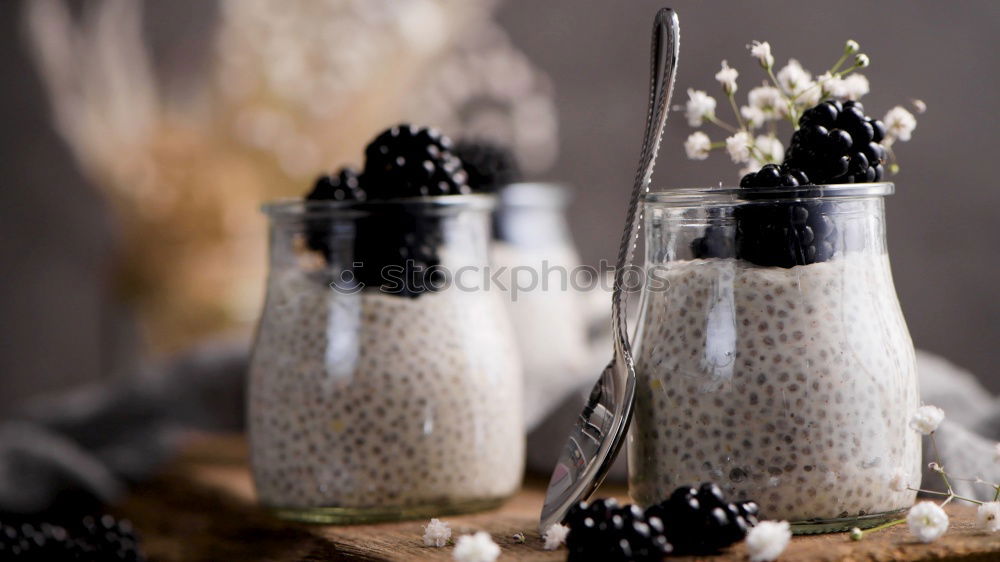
point(600, 430)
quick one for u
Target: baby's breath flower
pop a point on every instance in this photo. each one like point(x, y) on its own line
point(927, 521)
point(436, 533)
point(738, 147)
point(476, 548)
point(862, 61)
point(727, 77)
point(919, 105)
point(762, 52)
point(854, 86)
point(697, 146)
point(794, 79)
point(899, 124)
point(927, 418)
point(899, 481)
point(988, 516)
point(831, 85)
point(767, 540)
point(752, 116)
point(519, 538)
point(856, 534)
point(555, 536)
point(851, 47)
point(769, 149)
point(699, 106)
point(769, 100)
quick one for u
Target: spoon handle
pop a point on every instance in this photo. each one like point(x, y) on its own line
point(662, 73)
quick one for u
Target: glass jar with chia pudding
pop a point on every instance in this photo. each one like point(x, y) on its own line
point(772, 356)
point(382, 384)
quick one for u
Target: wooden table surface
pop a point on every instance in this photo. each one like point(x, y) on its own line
point(202, 508)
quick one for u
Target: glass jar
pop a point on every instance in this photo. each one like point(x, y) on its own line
point(772, 356)
point(384, 381)
point(549, 296)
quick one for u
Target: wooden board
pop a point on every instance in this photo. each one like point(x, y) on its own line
point(202, 508)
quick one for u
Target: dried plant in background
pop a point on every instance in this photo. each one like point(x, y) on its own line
point(296, 87)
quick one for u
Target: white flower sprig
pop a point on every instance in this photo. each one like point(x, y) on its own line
point(476, 548)
point(767, 540)
point(784, 95)
point(437, 533)
point(555, 536)
point(926, 520)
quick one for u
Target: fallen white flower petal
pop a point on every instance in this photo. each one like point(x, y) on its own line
point(927, 521)
point(436, 533)
point(476, 548)
point(927, 418)
point(988, 516)
point(767, 540)
point(555, 536)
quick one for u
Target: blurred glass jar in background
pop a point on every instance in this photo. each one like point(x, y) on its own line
point(378, 392)
point(551, 298)
point(772, 356)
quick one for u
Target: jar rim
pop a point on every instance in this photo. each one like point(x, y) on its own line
point(294, 208)
point(545, 195)
point(728, 194)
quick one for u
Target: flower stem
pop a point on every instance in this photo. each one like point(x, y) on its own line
point(715, 120)
point(885, 525)
point(736, 111)
point(839, 62)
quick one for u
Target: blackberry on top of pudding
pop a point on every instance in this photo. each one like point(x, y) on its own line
point(402, 162)
point(835, 143)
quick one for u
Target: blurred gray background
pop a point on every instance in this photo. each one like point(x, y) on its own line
point(56, 240)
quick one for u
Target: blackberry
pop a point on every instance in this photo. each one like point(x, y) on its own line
point(345, 185)
point(837, 143)
point(489, 166)
point(773, 175)
point(785, 234)
point(408, 161)
point(396, 251)
point(91, 539)
point(604, 530)
point(749, 510)
point(699, 520)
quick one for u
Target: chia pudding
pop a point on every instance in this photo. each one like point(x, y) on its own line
point(789, 386)
point(370, 400)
